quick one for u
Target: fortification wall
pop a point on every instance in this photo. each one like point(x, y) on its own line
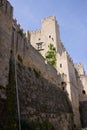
point(13, 39)
point(6, 8)
point(41, 65)
point(83, 112)
point(80, 69)
point(66, 66)
point(83, 79)
point(35, 37)
point(74, 89)
point(38, 76)
point(31, 57)
point(42, 102)
point(6, 12)
point(74, 92)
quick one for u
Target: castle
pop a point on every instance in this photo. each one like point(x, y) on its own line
point(69, 76)
point(76, 80)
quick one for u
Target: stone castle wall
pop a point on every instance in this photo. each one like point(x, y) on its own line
point(49, 33)
point(6, 12)
point(42, 101)
point(6, 8)
point(83, 111)
point(40, 95)
point(12, 39)
point(30, 56)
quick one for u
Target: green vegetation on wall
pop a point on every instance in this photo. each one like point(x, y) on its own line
point(51, 55)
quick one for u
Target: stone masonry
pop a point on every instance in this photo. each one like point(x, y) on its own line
point(41, 89)
point(75, 76)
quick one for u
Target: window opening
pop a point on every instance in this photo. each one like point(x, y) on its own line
point(52, 39)
point(63, 88)
point(60, 65)
point(63, 84)
point(39, 46)
point(83, 91)
point(49, 36)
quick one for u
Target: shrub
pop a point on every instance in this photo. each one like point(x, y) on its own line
point(51, 55)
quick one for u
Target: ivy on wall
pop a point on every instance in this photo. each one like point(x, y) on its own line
point(51, 55)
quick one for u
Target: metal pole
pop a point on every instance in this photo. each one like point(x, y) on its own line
point(17, 93)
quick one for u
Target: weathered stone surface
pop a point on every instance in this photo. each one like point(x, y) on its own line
point(41, 100)
point(41, 97)
point(83, 112)
point(3, 114)
point(5, 41)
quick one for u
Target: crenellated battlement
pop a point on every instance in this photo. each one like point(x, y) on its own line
point(6, 7)
point(69, 57)
point(62, 46)
point(80, 68)
point(13, 40)
point(79, 64)
point(16, 26)
point(35, 32)
point(48, 18)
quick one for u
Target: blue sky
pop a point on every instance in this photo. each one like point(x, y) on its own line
point(71, 16)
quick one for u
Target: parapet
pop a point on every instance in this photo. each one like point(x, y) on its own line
point(70, 59)
point(47, 18)
point(35, 32)
point(62, 46)
point(17, 27)
point(80, 68)
point(68, 56)
point(6, 7)
point(78, 65)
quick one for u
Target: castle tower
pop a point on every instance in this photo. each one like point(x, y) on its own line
point(80, 69)
point(6, 14)
point(83, 79)
point(50, 31)
point(49, 34)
